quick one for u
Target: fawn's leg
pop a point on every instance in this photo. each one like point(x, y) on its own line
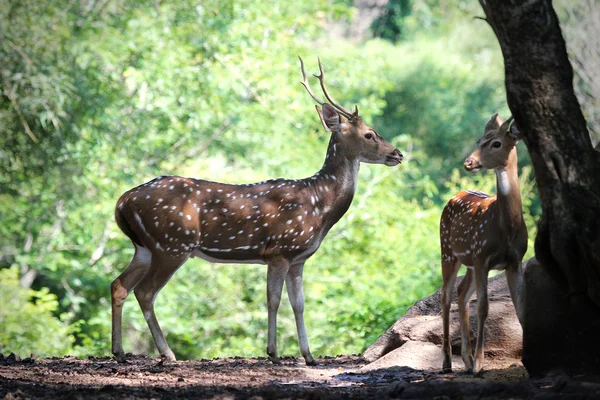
point(450, 267)
point(481, 283)
point(514, 278)
point(465, 291)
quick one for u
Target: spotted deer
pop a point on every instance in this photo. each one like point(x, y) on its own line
point(483, 233)
point(280, 223)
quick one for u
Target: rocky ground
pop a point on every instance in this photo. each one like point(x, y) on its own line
point(403, 363)
point(343, 377)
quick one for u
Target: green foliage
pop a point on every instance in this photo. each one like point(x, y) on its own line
point(99, 97)
point(28, 321)
point(403, 20)
point(444, 104)
point(390, 24)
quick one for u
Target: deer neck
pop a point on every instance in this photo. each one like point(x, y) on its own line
point(508, 201)
point(339, 175)
point(341, 165)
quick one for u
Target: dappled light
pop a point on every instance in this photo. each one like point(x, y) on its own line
point(99, 98)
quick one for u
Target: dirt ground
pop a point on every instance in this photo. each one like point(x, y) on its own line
point(339, 377)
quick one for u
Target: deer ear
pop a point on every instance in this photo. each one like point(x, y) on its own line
point(331, 120)
point(494, 123)
point(514, 131)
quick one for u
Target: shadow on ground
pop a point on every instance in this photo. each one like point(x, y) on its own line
point(347, 377)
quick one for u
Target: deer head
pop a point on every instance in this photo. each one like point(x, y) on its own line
point(357, 140)
point(496, 145)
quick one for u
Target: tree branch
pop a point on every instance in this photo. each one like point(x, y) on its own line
point(13, 99)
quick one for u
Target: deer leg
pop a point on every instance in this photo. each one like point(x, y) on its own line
point(293, 283)
point(465, 291)
point(120, 289)
point(481, 283)
point(276, 273)
point(450, 268)
point(161, 270)
point(514, 279)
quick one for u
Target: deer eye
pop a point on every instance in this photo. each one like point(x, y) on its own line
point(496, 145)
point(369, 136)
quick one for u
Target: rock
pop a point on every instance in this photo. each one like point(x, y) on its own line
point(558, 336)
point(418, 333)
point(416, 355)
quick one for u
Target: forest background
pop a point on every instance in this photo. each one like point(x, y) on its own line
point(101, 96)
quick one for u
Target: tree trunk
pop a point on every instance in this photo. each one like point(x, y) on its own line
point(567, 170)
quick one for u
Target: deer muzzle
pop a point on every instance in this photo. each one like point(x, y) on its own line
point(394, 159)
point(472, 164)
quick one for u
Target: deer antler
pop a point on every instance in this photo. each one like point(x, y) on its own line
point(321, 78)
point(307, 85)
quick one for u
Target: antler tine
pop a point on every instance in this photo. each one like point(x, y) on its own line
point(321, 78)
point(306, 85)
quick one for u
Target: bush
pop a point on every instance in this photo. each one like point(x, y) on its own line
point(28, 321)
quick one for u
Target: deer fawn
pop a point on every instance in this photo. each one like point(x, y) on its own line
point(483, 233)
point(279, 222)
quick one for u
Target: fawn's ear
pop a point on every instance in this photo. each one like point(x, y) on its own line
point(494, 123)
point(330, 118)
point(510, 127)
point(515, 132)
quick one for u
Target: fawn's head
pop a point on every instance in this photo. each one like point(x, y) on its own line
point(356, 139)
point(495, 146)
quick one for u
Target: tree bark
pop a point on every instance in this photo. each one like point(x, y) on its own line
point(540, 95)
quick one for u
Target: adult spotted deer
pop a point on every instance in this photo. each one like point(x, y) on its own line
point(280, 223)
point(483, 233)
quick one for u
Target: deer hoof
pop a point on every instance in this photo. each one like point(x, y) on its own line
point(468, 363)
point(167, 357)
point(275, 360)
point(477, 369)
point(447, 366)
point(310, 362)
point(120, 357)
